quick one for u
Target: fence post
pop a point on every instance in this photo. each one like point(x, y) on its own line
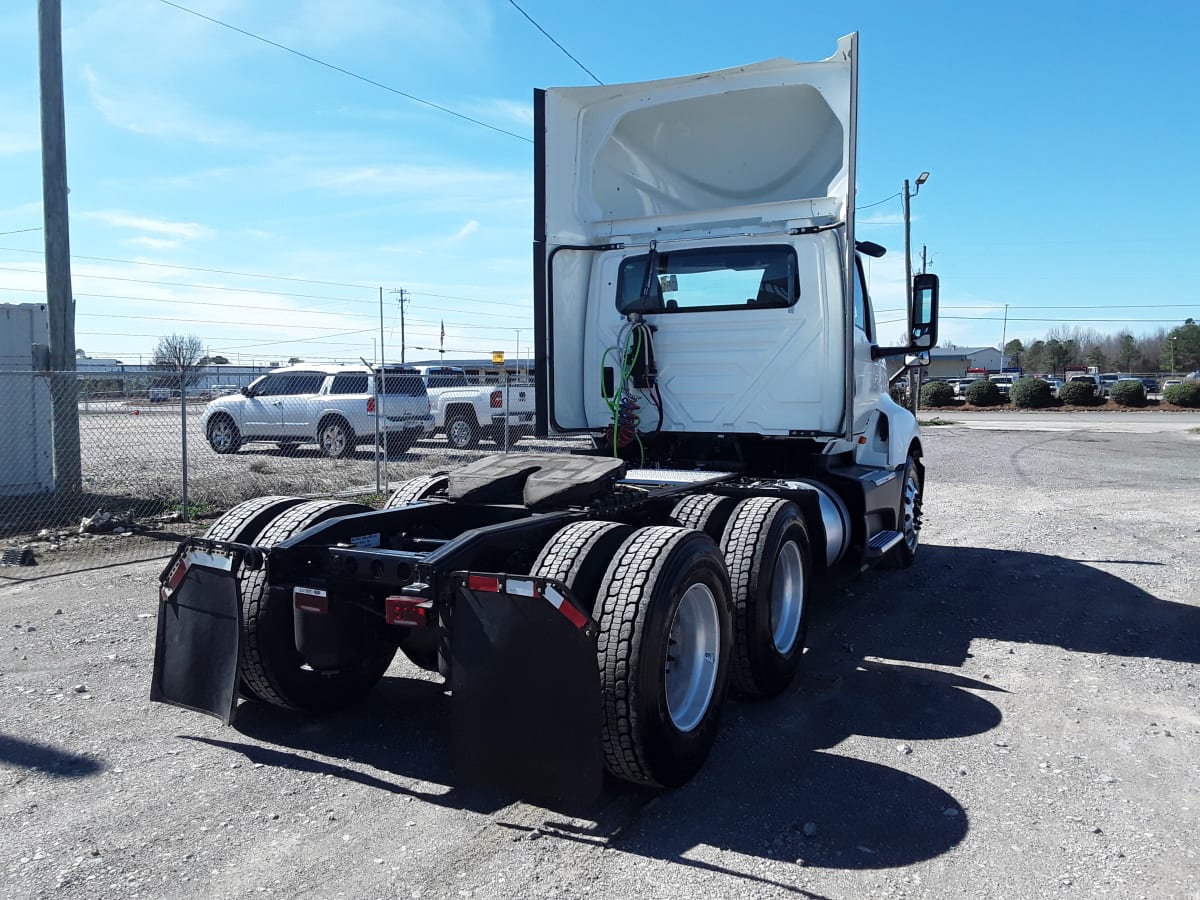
point(183, 433)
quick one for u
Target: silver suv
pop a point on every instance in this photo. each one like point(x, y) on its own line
point(333, 406)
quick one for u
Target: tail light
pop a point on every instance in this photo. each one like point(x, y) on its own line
point(370, 404)
point(497, 399)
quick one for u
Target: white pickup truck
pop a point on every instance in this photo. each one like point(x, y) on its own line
point(466, 412)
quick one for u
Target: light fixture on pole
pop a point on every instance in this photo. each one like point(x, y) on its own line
point(914, 378)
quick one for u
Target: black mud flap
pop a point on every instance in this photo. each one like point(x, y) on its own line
point(199, 628)
point(526, 704)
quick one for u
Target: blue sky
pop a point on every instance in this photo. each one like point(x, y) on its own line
point(1061, 137)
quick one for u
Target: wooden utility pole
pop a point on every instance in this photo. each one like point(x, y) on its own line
point(60, 303)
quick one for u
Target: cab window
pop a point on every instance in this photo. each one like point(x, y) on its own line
point(709, 278)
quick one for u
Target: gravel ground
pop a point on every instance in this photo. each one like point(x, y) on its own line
point(1016, 716)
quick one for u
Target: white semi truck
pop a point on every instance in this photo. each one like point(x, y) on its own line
point(702, 316)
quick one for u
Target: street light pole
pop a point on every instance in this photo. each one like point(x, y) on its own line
point(914, 379)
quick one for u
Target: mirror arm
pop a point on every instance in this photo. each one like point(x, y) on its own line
point(881, 352)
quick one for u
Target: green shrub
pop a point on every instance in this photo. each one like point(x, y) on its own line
point(1032, 393)
point(983, 393)
point(1078, 393)
point(898, 394)
point(1186, 394)
point(1128, 393)
point(937, 393)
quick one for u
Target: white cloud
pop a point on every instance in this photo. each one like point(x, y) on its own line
point(468, 229)
point(153, 243)
point(154, 115)
point(186, 230)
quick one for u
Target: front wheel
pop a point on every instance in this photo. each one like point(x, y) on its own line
point(223, 435)
point(909, 514)
point(336, 438)
point(663, 652)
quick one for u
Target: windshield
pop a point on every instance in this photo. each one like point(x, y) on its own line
point(707, 279)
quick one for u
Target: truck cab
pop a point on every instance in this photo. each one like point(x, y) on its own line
point(699, 291)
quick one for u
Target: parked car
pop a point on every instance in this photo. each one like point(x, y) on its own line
point(1150, 384)
point(1055, 384)
point(467, 412)
point(960, 386)
point(1003, 383)
point(1171, 382)
point(1088, 379)
point(333, 406)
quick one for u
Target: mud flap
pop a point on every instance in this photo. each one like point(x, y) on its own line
point(199, 629)
point(526, 688)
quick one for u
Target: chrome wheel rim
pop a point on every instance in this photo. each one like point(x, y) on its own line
point(334, 440)
point(787, 597)
point(220, 435)
point(459, 433)
point(690, 674)
point(912, 510)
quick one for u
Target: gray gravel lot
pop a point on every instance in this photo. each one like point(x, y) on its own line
point(1016, 716)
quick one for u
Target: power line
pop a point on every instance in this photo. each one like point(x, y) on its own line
point(22, 230)
point(554, 42)
point(137, 262)
point(140, 262)
point(354, 75)
point(877, 203)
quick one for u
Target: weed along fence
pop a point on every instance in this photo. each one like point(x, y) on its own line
point(147, 474)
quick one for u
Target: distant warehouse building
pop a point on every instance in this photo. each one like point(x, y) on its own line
point(954, 362)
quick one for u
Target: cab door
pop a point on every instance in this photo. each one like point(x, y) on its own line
point(870, 375)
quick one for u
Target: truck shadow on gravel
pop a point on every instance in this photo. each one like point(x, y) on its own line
point(775, 788)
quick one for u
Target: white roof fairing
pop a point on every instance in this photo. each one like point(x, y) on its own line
point(776, 132)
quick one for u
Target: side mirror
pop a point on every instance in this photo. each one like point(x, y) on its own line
point(923, 315)
point(916, 359)
point(244, 391)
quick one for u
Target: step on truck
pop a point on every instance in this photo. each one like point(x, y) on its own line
point(702, 318)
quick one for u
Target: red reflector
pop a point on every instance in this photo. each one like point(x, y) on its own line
point(496, 400)
point(370, 404)
point(176, 576)
point(487, 583)
point(406, 610)
point(574, 616)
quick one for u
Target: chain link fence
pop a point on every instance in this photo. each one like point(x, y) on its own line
point(148, 477)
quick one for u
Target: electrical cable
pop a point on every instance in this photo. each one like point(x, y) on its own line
point(554, 42)
point(354, 75)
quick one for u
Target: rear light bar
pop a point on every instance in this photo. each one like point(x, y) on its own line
point(403, 610)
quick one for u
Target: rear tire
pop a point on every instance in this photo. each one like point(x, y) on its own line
point(417, 489)
point(579, 555)
point(705, 512)
point(336, 438)
point(766, 548)
point(241, 525)
point(462, 431)
point(271, 666)
point(663, 651)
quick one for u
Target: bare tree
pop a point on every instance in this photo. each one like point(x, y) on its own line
point(178, 356)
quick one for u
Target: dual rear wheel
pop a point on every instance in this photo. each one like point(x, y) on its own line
point(682, 617)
